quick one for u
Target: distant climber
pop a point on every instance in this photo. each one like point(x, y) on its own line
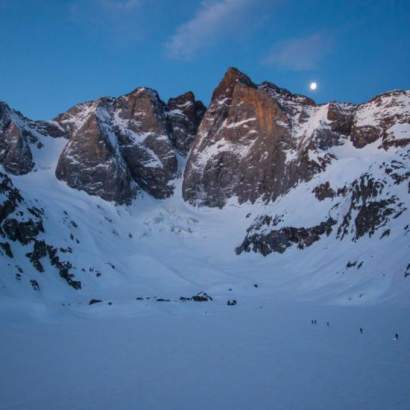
point(361, 330)
point(396, 336)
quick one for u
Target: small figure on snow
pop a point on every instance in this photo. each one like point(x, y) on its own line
point(396, 337)
point(361, 330)
point(327, 324)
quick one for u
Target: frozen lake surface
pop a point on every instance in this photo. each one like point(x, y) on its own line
point(173, 355)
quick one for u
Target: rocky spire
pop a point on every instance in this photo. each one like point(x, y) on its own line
point(184, 116)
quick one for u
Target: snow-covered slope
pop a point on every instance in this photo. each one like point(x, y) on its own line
point(288, 220)
point(328, 220)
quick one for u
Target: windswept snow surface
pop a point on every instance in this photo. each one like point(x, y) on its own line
point(256, 355)
point(58, 352)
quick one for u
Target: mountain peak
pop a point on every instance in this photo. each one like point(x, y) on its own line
point(259, 151)
point(139, 91)
point(234, 74)
point(232, 77)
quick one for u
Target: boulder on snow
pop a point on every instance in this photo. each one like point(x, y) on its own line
point(201, 297)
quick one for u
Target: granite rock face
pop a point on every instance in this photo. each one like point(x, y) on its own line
point(118, 145)
point(15, 153)
point(259, 141)
point(330, 183)
point(242, 145)
point(184, 116)
point(254, 142)
point(141, 125)
point(19, 136)
point(91, 161)
point(384, 119)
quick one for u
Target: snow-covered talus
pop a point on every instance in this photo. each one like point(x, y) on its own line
point(310, 200)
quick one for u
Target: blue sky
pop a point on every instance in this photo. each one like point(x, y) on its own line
point(55, 53)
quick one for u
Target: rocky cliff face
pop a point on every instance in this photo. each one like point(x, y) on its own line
point(236, 150)
point(15, 153)
point(91, 161)
point(259, 141)
point(19, 136)
point(254, 142)
point(118, 145)
point(320, 187)
point(184, 116)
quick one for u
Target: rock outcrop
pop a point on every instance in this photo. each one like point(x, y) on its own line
point(371, 206)
point(385, 118)
point(241, 129)
point(361, 209)
point(15, 153)
point(91, 160)
point(259, 141)
point(120, 144)
point(19, 136)
point(184, 116)
point(279, 240)
point(331, 184)
point(141, 125)
point(20, 226)
point(245, 147)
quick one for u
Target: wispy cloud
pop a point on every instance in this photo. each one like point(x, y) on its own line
point(121, 20)
point(111, 8)
point(301, 53)
point(212, 20)
point(120, 5)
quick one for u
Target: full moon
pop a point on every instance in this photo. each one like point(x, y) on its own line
point(313, 85)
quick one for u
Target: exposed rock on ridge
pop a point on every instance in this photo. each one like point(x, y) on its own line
point(15, 153)
point(91, 161)
point(118, 144)
point(140, 123)
point(184, 116)
point(20, 227)
point(259, 141)
point(241, 147)
point(19, 136)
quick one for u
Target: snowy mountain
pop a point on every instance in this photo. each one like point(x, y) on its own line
point(131, 197)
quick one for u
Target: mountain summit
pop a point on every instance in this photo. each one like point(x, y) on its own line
point(134, 192)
